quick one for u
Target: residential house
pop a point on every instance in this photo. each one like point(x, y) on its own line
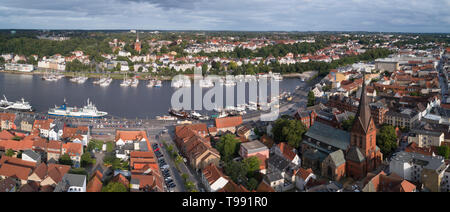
point(146, 183)
point(306, 117)
point(30, 155)
point(425, 138)
point(418, 168)
point(382, 182)
point(95, 184)
point(8, 185)
point(44, 126)
point(289, 153)
point(72, 183)
point(213, 178)
point(257, 149)
point(78, 134)
point(17, 168)
point(302, 178)
point(49, 175)
point(74, 150)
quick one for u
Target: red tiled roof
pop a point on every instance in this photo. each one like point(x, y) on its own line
point(287, 151)
point(212, 173)
point(42, 124)
point(17, 162)
point(95, 184)
point(57, 171)
point(227, 122)
point(304, 173)
point(20, 172)
point(8, 116)
point(264, 187)
point(73, 149)
point(121, 179)
point(5, 135)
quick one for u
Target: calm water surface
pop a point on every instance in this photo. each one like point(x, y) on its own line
point(128, 102)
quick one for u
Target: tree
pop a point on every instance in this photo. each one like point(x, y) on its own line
point(444, 151)
point(289, 130)
point(114, 187)
point(387, 139)
point(65, 160)
point(227, 146)
point(86, 159)
point(311, 99)
point(9, 152)
point(252, 184)
point(237, 171)
point(252, 165)
point(80, 171)
point(347, 124)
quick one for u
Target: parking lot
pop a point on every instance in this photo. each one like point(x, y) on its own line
point(167, 165)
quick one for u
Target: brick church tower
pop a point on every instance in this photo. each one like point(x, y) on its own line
point(363, 155)
point(137, 45)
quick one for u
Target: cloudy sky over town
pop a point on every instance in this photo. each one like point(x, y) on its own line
point(249, 15)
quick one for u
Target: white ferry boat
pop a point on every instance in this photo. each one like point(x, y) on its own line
point(18, 105)
point(88, 111)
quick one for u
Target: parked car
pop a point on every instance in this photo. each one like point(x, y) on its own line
point(172, 185)
point(165, 166)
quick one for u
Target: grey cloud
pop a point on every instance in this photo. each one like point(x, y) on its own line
point(298, 15)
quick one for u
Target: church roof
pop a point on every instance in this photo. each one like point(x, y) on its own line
point(354, 154)
point(363, 114)
point(329, 135)
point(337, 157)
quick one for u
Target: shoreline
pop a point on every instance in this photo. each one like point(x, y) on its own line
point(120, 76)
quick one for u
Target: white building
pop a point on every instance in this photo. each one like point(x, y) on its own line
point(409, 165)
point(426, 138)
point(19, 67)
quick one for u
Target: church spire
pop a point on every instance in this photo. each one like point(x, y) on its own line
point(363, 113)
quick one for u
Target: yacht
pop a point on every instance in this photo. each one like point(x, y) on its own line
point(186, 83)
point(135, 82)
point(195, 115)
point(177, 83)
point(204, 83)
point(158, 83)
point(230, 82)
point(277, 77)
point(151, 83)
point(100, 81)
point(126, 82)
point(106, 82)
point(50, 77)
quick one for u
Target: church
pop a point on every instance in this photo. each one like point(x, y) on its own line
point(335, 153)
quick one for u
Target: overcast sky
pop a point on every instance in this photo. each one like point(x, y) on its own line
point(248, 15)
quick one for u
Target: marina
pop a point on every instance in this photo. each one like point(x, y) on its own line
point(118, 100)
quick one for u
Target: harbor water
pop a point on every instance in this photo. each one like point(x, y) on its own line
point(126, 102)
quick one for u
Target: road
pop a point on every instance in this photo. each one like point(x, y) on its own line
point(443, 80)
point(159, 137)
